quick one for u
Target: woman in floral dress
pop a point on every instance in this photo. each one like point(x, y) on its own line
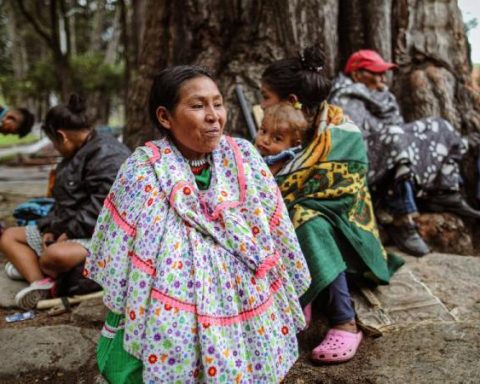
point(197, 256)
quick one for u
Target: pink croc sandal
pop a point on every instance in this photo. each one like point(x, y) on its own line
point(337, 346)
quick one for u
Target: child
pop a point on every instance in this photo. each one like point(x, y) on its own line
point(283, 132)
point(281, 135)
point(57, 243)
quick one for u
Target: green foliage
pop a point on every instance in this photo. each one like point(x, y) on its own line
point(39, 80)
point(91, 74)
point(9, 140)
point(471, 24)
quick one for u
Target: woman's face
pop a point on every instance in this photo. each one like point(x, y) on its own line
point(269, 96)
point(197, 122)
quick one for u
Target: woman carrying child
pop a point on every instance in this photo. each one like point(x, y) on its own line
point(321, 174)
point(57, 243)
point(197, 256)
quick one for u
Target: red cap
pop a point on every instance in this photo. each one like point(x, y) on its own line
point(369, 60)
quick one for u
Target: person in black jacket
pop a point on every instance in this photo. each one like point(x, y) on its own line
point(58, 242)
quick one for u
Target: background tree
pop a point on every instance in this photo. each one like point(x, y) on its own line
point(237, 40)
point(50, 48)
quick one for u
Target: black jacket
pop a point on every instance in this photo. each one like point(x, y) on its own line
point(81, 184)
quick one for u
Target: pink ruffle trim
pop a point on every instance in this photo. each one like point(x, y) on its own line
point(275, 219)
point(143, 265)
point(118, 218)
point(155, 150)
point(207, 320)
point(267, 264)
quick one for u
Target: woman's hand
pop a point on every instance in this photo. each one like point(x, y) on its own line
point(48, 239)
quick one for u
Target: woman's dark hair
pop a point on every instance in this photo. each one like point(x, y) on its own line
point(165, 90)
point(304, 75)
point(27, 122)
point(71, 117)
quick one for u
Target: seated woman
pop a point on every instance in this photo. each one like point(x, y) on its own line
point(324, 188)
point(197, 256)
point(57, 243)
point(414, 159)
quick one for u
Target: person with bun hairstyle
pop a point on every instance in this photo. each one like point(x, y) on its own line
point(325, 190)
point(408, 161)
point(58, 242)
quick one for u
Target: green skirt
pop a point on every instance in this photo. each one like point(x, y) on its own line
point(329, 252)
point(115, 364)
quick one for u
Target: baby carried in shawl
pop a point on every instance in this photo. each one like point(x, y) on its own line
point(325, 190)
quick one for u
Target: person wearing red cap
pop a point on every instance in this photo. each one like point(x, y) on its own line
point(412, 160)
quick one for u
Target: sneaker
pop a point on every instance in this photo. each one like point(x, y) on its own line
point(407, 238)
point(28, 297)
point(12, 272)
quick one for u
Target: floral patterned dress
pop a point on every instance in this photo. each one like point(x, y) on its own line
point(209, 280)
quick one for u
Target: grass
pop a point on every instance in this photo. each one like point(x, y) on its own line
point(9, 140)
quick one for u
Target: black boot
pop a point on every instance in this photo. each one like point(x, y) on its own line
point(452, 202)
point(407, 238)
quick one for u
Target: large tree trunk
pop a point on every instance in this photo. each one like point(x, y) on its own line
point(425, 37)
point(236, 42)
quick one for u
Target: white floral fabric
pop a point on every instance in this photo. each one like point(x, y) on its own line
point(431, 148)
point(209, 280)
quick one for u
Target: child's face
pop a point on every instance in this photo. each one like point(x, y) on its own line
point(274, 138)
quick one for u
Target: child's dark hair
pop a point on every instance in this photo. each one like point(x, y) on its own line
point(70, 117)
point(303, 75)
point(165, 90)
point(285, 112)
point(27, 122)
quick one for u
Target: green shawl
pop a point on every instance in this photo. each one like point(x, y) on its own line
point(325, 190)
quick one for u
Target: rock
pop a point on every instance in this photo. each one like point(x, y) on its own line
point(445, 232)
point(8, 289)
point(428, 353)
point(92, 311)
point(404, 302)
point(52, 348)
point(453, 279)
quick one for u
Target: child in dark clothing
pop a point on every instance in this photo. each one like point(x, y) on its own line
point(57, 243)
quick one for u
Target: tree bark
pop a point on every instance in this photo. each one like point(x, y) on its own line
point(236, 42)
point(425, 37)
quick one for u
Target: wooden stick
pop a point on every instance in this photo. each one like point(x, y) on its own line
point(50, 303)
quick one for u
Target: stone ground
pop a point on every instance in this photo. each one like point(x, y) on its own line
point(433, 338)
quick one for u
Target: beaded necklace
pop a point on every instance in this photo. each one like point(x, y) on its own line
point(197, 166)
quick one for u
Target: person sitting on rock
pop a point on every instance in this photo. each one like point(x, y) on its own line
point(319, 161)
point(15, 121)
point(416, 159)
point(57, 243)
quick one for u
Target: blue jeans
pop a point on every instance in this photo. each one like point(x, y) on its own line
point(335, 301)
point(403, 200)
